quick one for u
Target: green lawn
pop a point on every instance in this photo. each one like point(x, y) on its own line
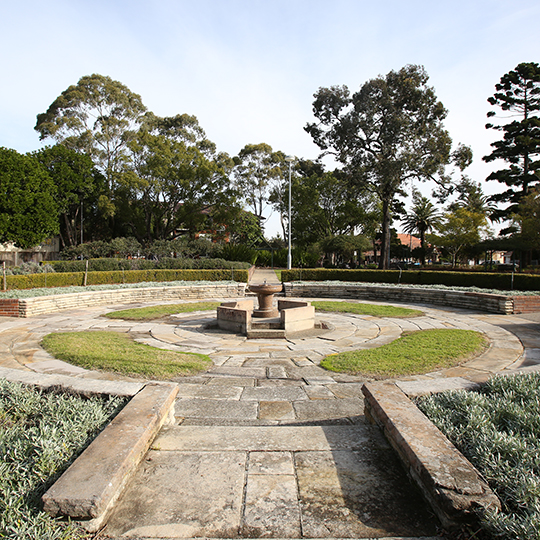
point(156, 312)
point(366, 309)
point(411, 354)
point(118, 353)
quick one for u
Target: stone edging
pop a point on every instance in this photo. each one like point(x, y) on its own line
point(492, 303)
point(41, 305)
point(89, 488)
point(453, 487)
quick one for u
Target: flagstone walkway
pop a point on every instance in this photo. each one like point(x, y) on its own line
point(266, 443)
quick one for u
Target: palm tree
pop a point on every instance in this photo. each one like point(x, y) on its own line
point(424, 217)
point(472, 198)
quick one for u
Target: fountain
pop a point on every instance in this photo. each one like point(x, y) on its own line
point(290, 316)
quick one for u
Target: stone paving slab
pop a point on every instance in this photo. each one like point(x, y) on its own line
point(182, 495)
point(277, 393)
point(335, 409)
point(217, 409)
point(267, 439)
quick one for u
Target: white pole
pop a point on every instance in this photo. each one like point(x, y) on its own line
point(289, 256)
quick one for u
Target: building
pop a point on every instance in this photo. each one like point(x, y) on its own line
point(49, 250)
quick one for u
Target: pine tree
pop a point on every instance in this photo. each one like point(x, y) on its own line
point(518, 94)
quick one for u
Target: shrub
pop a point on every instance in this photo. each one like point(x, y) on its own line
point(238, 252)
point(29, 268)
point(498, 429)
point(484, 280)
point(69, 279)
point(40, 435)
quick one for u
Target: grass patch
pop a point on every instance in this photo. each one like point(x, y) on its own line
point(118, 353)
point(156, 312)
point(497, 428)
point(411, 354)
point(40, 435)
point(366, 309)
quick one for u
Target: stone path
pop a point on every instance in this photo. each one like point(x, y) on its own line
point(267, 443)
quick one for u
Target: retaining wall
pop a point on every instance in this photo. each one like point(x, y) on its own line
point(40, 305)
point(492, 303)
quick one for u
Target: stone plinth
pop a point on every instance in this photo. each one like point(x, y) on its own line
point(265, 294)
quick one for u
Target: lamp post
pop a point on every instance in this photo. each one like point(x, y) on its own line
point(289, 160)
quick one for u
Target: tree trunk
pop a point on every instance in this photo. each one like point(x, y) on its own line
point(385, 241)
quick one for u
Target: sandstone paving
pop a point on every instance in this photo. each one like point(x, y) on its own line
point(266, 406)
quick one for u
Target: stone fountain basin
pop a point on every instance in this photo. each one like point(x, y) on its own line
point(294, 316)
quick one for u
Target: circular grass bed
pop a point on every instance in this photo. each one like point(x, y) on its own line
point(119, 353)
point(414, 353)
point(373, 310)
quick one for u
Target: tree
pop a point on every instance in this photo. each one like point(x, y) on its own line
point(388, 132)
point(517, 93)
point(28, 209)
point(76, 181)
point(97, 116)
point(257, 169)
point(423, 218)
point(472, 198)
point(174, 188)
point(324, 205)
point(458, 230)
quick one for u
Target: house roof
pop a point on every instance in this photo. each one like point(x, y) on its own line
point(409, 240)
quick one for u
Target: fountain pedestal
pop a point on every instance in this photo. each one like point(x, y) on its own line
point(265, 294)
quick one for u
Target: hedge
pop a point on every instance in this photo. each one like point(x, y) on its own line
point(111, 264)
point(484, 280)
point(71, 279)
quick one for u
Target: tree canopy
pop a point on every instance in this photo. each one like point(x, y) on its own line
point(97, 116)
point(387, 133)
point(258, 169)
point(518, 97)
point(28, 207)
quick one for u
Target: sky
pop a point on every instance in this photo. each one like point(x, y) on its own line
point(248, 69)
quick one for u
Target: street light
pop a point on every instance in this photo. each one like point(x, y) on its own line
point(289, 160)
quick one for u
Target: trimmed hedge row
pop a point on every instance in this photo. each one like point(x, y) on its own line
point(74, 279)
point(166, 263)
point(484, 280)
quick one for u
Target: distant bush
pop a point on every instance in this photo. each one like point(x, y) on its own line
point(29, 268)
point(107, 265)
point(238, 252)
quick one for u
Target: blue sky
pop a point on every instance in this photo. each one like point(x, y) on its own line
point(248, 69)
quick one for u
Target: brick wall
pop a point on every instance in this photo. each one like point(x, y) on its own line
point(9, 307)
point(526, 304)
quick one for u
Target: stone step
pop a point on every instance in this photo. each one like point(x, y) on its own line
point(264, 324)
point(268, 333)
point(264, 438)
point(271, 482)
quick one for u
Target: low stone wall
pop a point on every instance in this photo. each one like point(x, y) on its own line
point(453, 487)
point(40, 305)
point(492, 303)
